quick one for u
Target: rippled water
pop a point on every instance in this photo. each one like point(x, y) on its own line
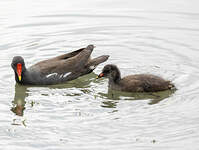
point(141, 36)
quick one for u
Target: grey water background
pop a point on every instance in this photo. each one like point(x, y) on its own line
point(141, 36)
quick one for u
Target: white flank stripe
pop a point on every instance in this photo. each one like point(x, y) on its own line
point(52, 74)
point(66, 74)
point(61, 76)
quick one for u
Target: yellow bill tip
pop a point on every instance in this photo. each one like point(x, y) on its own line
point(19, 78)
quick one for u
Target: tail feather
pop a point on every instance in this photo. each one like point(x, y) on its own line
point(171, 85)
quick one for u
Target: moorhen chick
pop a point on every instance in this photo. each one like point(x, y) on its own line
point(134, 83)
point(58, 69)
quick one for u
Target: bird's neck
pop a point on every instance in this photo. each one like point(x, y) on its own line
point(116, 78)
point(114, 83)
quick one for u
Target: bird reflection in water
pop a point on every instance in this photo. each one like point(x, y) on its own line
point(113, 97)
point(18, 104)
point(21, 92)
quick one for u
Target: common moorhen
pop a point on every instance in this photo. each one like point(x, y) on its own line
point(58, 69)
point(134, 83)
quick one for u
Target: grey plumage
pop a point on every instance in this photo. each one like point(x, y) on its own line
point(134, 83)
point(59, 69)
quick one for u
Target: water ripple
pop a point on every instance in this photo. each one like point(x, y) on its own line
point(163, 42)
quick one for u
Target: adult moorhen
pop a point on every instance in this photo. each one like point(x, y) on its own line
point(58, 69)
point(134, 83)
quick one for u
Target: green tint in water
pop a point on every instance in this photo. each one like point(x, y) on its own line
point(153, 98)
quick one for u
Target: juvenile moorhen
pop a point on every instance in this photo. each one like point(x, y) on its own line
point(58, 69)
point(134, 83)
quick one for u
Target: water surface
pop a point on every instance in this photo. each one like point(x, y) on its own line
point(158, 37)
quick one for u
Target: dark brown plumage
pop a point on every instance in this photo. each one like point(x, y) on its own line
point(134, 83)
point(58, 69)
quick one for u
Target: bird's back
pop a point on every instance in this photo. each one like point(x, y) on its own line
point(144, 83)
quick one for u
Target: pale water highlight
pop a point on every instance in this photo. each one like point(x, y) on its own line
point(141, 36)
